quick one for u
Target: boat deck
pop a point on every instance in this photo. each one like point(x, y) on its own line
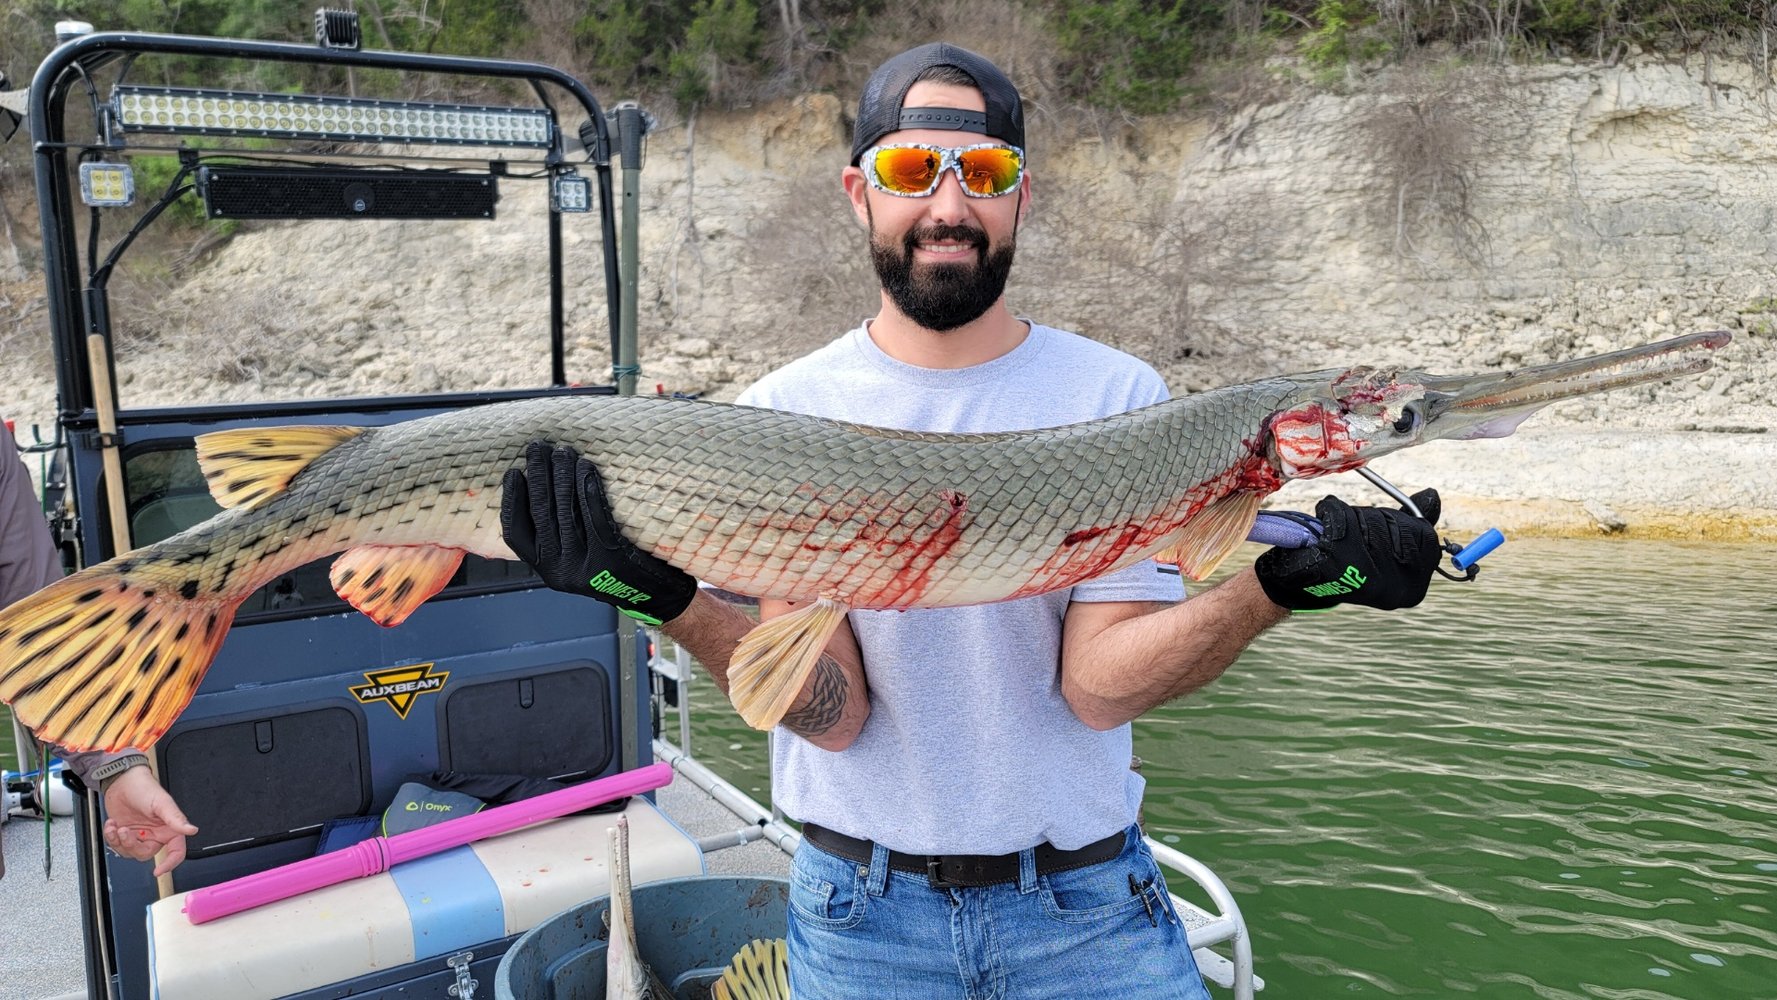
point(41, 947)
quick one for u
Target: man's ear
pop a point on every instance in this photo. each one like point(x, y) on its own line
point(857, 189)
point(1024, 199)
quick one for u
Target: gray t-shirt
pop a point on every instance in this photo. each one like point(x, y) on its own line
point(970, 747)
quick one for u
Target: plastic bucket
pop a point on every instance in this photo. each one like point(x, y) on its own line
point(688, 929)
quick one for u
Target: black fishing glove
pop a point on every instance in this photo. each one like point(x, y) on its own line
point(555, 516)
point(1367, 555)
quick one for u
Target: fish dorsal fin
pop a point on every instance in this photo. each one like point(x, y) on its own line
point(774, 659)
point(1209, 537)
point(246, 466)
point(388, 582)
point(760, 971)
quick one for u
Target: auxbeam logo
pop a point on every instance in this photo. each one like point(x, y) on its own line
point(399, 686)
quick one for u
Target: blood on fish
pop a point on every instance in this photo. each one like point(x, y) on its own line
point(922, 554)
point(1083, 535)
point(1088, 552)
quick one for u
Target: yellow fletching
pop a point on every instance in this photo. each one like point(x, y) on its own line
point(247, 466)
point(760, 971)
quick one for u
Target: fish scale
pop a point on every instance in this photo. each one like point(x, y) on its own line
point(773, 505)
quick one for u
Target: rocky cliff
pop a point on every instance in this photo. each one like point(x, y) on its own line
point(1469, 219)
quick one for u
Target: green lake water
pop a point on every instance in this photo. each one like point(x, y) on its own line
point(1559, 781)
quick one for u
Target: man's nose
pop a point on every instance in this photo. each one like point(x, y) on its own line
point(948, 205)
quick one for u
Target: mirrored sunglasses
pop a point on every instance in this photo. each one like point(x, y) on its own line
point(912, 170)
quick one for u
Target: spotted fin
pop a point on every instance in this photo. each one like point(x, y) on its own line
point(774, 660)
point(107, 659)
point(1212, 535)
point(388, 582)
point(760, 971)
point(247, 466)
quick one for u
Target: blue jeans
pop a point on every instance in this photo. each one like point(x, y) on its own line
point(860, 930)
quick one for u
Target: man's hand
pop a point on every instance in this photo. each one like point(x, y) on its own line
point(141, 818)
point(554, 515)
point(1367, 555)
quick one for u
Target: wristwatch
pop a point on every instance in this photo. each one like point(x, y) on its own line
point(112, 768)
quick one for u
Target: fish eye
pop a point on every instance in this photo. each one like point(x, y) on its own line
point(1410, 420)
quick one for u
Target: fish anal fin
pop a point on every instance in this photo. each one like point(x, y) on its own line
point(388, 582)
point(246, 466)
point(1215, 532)
point(774, 660)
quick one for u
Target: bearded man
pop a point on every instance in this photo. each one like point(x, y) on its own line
point(962, 774)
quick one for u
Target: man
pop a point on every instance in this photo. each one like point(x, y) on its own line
point(140, 817)
point(963, 774)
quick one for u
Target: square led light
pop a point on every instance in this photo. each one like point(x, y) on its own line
point(107, 185)
point(571, 193)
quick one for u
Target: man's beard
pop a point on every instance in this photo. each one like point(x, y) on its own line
point(942, 296)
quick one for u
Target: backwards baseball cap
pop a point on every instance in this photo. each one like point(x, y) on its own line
point(880, 111)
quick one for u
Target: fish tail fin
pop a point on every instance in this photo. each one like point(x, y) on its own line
point(108, 658)
point(774, 660)
point(760, 971)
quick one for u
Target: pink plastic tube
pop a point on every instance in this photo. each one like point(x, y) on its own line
point(376, 855)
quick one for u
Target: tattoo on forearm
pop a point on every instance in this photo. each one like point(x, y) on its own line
point(826, 702)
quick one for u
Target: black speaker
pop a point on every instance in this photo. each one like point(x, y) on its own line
point(250, 192)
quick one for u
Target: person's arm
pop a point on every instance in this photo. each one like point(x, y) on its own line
point(141, 817)
point(554, 516)
point(1121, 658)
point(832, 706)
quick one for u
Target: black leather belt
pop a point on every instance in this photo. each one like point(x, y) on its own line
point(959, 870)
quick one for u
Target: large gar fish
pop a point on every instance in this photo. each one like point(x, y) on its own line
point(758, 502)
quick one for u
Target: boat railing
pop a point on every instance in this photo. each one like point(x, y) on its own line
point(1206, 929)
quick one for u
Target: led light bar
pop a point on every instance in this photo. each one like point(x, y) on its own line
point(294, 116)
point(107, 185)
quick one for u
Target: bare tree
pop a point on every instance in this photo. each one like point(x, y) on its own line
point(1426, 139)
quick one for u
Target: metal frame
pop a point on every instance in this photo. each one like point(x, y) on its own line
point(75, 61)
point(87, 402)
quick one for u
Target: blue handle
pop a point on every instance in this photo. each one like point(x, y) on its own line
point(1490, 539)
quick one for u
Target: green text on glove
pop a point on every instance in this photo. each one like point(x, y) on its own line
point(607, 584)
point(1346, 584)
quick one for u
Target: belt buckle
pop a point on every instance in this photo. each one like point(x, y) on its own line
point(934, 874)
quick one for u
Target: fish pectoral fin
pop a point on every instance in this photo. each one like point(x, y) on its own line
point(774, 660)
point(1209, 537)
point(388, 582)
point(107, 658)
point(760, 971)
point(246, 466)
